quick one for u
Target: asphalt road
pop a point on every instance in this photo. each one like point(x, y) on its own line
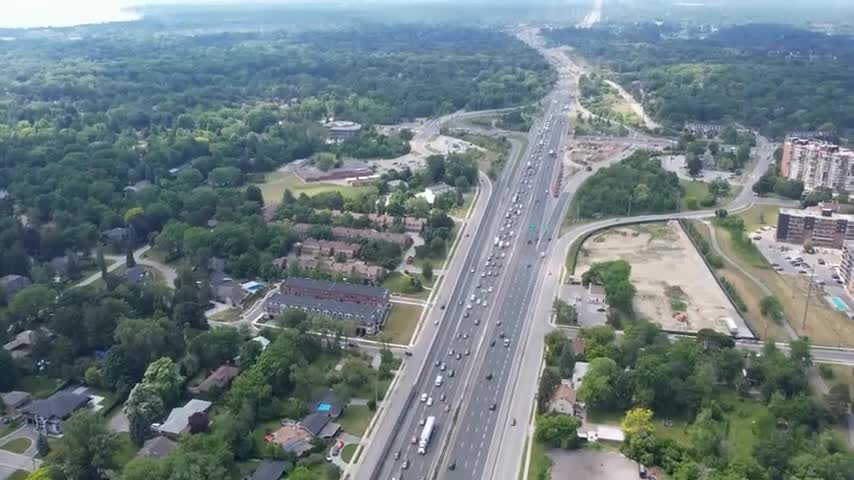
point(463, 333)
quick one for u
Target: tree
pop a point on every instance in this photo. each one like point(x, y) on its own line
point(144, 406)
point(42, 445)
point(566, 364)
point(719, 188)
point(771, 308)
point(427, 270)
point(637, 421)
point(249, 353)
point(253, 194)
point(162, 375)
point(694, 164)
point(43, 473)
point(598, 389)
point(549, 381)
point(216, 346)
point(838, 399)
point(8, 371)
point(87, 448)
point(558, 430)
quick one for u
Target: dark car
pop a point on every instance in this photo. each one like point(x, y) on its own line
point(452, 465)
point(489, 376)
point(492, 408)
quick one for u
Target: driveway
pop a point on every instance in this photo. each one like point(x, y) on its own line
point(26, 431)
point(591, 464)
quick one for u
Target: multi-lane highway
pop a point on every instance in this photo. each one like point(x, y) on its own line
point(490, 287)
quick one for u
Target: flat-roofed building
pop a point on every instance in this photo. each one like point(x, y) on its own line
point(820, 226)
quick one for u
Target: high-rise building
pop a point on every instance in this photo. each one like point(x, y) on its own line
point(820, 226)
point(818, 164)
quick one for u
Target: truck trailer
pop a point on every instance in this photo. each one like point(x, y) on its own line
point(426, 433)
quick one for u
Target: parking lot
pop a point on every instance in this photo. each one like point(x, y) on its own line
point(791, 260)
point(591, 312)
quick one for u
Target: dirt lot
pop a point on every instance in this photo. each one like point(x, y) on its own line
point(667, 272)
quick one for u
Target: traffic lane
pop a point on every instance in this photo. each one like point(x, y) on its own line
point(425, 377)
point(419, 413)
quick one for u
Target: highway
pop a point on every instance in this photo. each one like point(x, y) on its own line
point(468, 313)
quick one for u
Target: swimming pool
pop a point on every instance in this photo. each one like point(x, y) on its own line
point(839, 304)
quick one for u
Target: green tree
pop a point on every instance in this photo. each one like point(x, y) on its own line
point(637, 421)
point(838, 399)
point(549, 381)
point(598, 389)
point(163, 375)
point(427, 270)
point(8, 371)
point(143, 407)
point(558, 430)
point(87, 448)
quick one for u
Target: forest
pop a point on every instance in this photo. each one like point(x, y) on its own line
point(772, 78)
point(140, 129)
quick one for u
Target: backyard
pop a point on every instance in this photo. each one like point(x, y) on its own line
point(356, 419)
point(401, 323)
point(277, 182)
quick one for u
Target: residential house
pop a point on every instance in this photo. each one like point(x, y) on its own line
point(178, 421)
point(22, 345)
point(328, 248)
point(157, 447)
point(430, 193)
point(350, 269)
point(369, 317)
point(320, 425)
point(563, 399)
point(292, 437)
point(49, 415)
point(225, 289)
point(12, 284)
point(218, 381)
point(115, 237)
point(271, 470)
point(402, 239)
point(60, 267)
point(14, 400)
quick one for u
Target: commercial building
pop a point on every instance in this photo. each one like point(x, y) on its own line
point(817, 163)
point(340, 130)
point(820, 226)
point(430, 193)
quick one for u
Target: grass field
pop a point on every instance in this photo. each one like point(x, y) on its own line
point(38, 386)
point(700, 190)
point(10, 427)
point(18, 445)
point(276, 183)
point(356, 419)
point(541, 464)
point(759, 216)
point(348, 451)
point(398, 283)
point(18, 475)
point(401, 322)
point(824, 326)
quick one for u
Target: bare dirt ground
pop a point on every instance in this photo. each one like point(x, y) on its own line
point(667, 272)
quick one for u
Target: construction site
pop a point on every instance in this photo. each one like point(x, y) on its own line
point(674, 287)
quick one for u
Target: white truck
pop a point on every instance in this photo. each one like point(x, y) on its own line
point(497, 241)
point(731, 326)
point(424, 439)
point(438, 381)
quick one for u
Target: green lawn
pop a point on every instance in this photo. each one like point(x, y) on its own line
point(276, 183)
point(18, 445)
point(401, 323)
point(700, 190)
point(759, 216)
point(348, 451)
point(398, 283)
point(462, 210)
point(262, 430)
point(126, 449)
point(740, 437)
point(18, 475)
point(605, 417)
point(38, 386)
point(11, 427)
point(356, 419)
point(541, 464)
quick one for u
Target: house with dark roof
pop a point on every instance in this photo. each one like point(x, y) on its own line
point(49, 415)
point(15, 399)
point(225, 289)
point(328, 404)
point(59, 266)
point(219, 380)
point(271, 470)
point(22, 344)
point(369, 318)
point(340, 291)
point(115, 237)
point(12, 284)
point(157, 447)
point(320, 425)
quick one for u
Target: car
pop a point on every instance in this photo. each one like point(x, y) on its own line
point(438, 363)
point(821, 261)
point(442, 367)
point(506, 342)
point(423, 397)
point(397, 455)
point(447, 407)
point(466, 336)
point(451, 352)
point(529, 265)
point(467, 352)
point(489, 376)
point(413, 440)
point(405, 465)
point(501, 335)
point(513, 422)
point(452, 465)
point(466, 314)
point(472, 297)
point(421, 422)
point(328, 458)
point(442, 307)
point(468, 307)
point(600, 308)
point(492, 408)
point(484, 303)
point(430, 401)
point(477, 321)
point(472, 270)
point(407, 353)
point(459, 356)
point(451, 374)
point(482, 274)
point(492, 343)
point(442, 397)
point(490, 290)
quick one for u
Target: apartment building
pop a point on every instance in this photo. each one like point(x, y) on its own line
point(820, 226)
point(817, 163)
point(846, 268)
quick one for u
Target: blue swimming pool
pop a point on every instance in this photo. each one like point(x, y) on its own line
point(839, 304)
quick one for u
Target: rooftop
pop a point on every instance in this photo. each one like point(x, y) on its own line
point(220, 378)
point(334, 287)
point(59, 405)
point(344, 308)
point(271, 470)
point(179, 417)
point(816, 213)
point(157, 447)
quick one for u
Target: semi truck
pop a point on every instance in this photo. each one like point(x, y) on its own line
point(426, 433)
point(731, 326)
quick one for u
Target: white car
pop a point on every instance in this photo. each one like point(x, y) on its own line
point(484, 303)
point(490, 290)
point(430, 401)
point(423, 397)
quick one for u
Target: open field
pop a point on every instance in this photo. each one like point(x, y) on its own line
point(276, 183)
point(760, 216)
point(401, 322)
point(356, 419)
point(824, 326)
point(667, 272)
point(749, 292)
point(398, 284)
